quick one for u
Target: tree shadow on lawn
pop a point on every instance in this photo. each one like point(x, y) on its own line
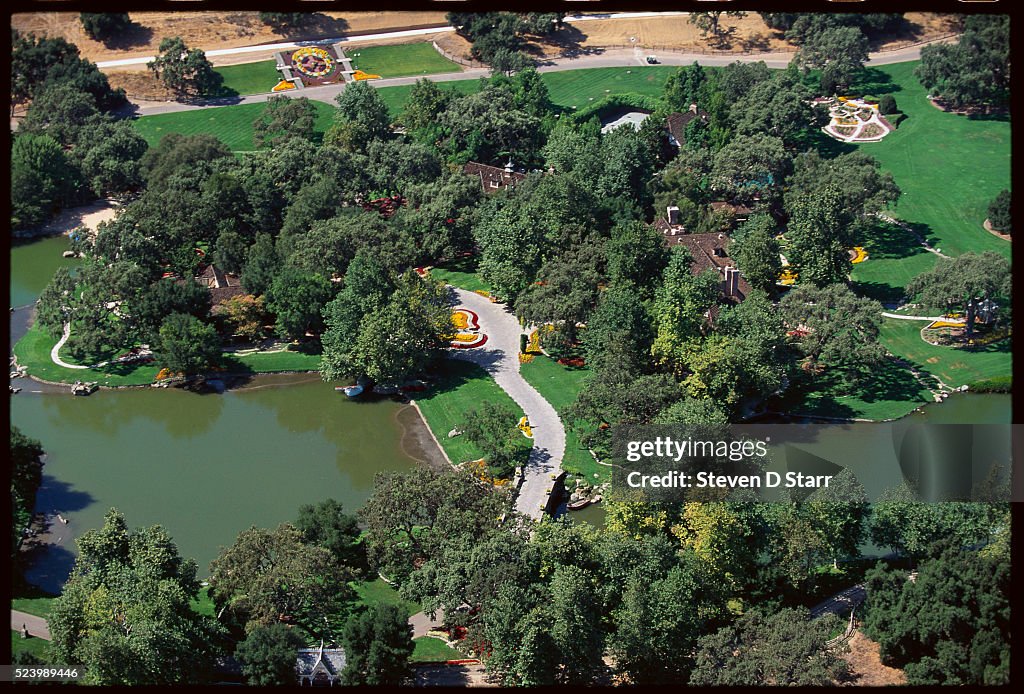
point(886, 382)
point(874, 82)
point(449, 375)
point(882, 293)
point(885, 240)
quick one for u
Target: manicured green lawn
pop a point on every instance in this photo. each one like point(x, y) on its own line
point(33, 351)
point(431, 650)
point(580, 87)
point(36, 646)
point(894, 258)
point(949, 167)
point(402, 60)
point(459, 387)
point(38, 606)
point(203, 604)
point(249, 78)
point(230, 124)
point(559, 385)
point(462, 274)
point(378, 592)
point(889, 392)
point(956, 367)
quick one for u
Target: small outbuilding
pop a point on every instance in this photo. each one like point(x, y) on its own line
point(319, 667)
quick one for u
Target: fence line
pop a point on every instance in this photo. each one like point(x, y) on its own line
point(457, 59)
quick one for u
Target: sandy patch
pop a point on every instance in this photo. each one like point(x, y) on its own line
point(212, 30)
point(866, 666)
point(88, 216)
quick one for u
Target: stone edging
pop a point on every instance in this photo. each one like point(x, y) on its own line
point(988, 227)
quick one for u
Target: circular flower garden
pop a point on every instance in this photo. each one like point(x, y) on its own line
point(313, 62)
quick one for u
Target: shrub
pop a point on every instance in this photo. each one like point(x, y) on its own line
point(887, 104)
point(999, 212)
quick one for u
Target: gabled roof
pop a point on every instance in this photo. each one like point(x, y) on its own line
point(491, 177)
point(222, 285)
point(677, 122)
point(310, 661)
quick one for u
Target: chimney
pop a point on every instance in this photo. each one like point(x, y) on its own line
point(508, 166)
point(693, 108)
point(673, 214)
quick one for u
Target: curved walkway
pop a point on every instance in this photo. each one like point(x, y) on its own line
point(899, 316)
point(55, 352)
point(500, 358)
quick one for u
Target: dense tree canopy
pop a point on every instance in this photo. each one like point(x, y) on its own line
point(975, 71)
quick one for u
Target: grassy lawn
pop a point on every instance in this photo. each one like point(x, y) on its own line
point(377, 592)
point(38, 606)
point(33, 351)
point(461, 273)
point(890, 392)
point(431, 650)
point(894, 258)
point(36, 646)
point(459, 388)
point(203, 604)
point(930, 155)
point(580, 87)
point(249, 78)
point(230, 124)
point(559, 386)
point(956, 367)
point(403, 60)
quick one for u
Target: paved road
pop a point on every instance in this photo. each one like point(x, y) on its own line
point(36, 625)
point(500, 357)
point(841, 603)
point(421, 623)
point(624, 57)
point(382, 36)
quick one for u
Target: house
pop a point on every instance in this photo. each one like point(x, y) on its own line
point(319, 667)
point(222, 285)
point(493, 179)
point(708, 251)
point(677, 122)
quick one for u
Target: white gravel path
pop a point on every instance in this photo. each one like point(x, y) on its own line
point(55, 352)
point(500, 358)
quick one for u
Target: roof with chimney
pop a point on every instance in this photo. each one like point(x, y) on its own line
point(492, 178)
point(677, 122)
point(708, 251)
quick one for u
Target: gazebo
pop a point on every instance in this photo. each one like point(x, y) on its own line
point(319, 667)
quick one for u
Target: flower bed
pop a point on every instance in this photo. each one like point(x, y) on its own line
point(360, 75)
point(859, 255)
point(283, 85)
point(842, 130)
point(575, 362)
point(788, 277)
point(524, 426)
point(468, 340)
point(872, 130)
point(313, 61)
point(464, 319)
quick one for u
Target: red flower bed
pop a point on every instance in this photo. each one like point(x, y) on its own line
point(474, 320)
point(575, 362)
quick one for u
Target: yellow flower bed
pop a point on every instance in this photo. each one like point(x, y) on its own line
point(525, 358)
point(360, 75)
point(524, 426)
point(460, 320)
point(282, 86)
point(944, 324)
point(533, 345)
point(466, 337)
point(788, 277)
point(861, 255)
point(479, 470)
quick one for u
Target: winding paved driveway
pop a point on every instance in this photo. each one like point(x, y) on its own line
point(500, 358)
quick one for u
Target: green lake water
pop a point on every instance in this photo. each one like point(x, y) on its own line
point(203, 466)
point(33, 264)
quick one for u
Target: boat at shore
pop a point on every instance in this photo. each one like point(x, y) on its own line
point(351, 391)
